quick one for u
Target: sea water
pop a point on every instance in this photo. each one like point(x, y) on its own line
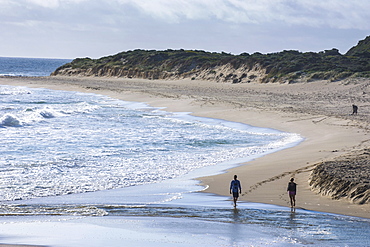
point(59, 142)
point(15, 66)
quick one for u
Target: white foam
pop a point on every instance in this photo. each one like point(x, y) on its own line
point(75, 143)
point(46, 114)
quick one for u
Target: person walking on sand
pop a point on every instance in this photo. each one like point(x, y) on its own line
point(292, 191)
point(354, 109)
point(235, 189)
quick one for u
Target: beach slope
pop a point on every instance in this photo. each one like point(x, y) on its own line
point(319, 111)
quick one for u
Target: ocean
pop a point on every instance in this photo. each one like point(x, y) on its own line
point(72, 160)
point(59, 142)
point(15, 66)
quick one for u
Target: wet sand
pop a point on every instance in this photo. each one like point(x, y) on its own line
point(319, 111)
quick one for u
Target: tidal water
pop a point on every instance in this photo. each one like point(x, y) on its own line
point(58, 142)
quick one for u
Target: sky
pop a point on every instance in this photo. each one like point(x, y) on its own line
point(97, 28)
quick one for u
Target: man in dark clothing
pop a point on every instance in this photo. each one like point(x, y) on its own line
point(292, 191)
point(355, 108)
point(235, 189)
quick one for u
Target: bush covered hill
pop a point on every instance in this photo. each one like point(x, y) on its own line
point(285, 66)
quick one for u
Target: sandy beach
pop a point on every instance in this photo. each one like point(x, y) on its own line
point(319, 111)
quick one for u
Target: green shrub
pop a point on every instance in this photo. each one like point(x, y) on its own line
point(290, 65)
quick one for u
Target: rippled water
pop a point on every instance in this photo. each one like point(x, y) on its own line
point(250, 224)
point(58, 142)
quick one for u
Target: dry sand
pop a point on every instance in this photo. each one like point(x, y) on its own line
point(319, 111)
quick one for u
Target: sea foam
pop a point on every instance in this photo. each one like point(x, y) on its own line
point(75, 143)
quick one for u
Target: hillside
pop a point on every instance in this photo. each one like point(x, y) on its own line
point(362, 49)
point(285, 66)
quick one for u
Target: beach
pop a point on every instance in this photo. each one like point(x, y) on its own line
point(319, 111)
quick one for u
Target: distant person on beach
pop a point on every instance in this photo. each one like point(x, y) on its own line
point(354, 109)
point(235, 189)
point(292, 191)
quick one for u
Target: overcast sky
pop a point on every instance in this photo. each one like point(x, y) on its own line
point(96, 28)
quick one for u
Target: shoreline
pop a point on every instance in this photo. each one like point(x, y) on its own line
point(327, 136)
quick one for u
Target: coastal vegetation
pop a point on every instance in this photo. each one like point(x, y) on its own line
point(285, 66)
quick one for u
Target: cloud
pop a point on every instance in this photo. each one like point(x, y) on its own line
point(45, 4)
point(52, 4)
point(330, 13)
point(100, 27)
point(341, 14)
